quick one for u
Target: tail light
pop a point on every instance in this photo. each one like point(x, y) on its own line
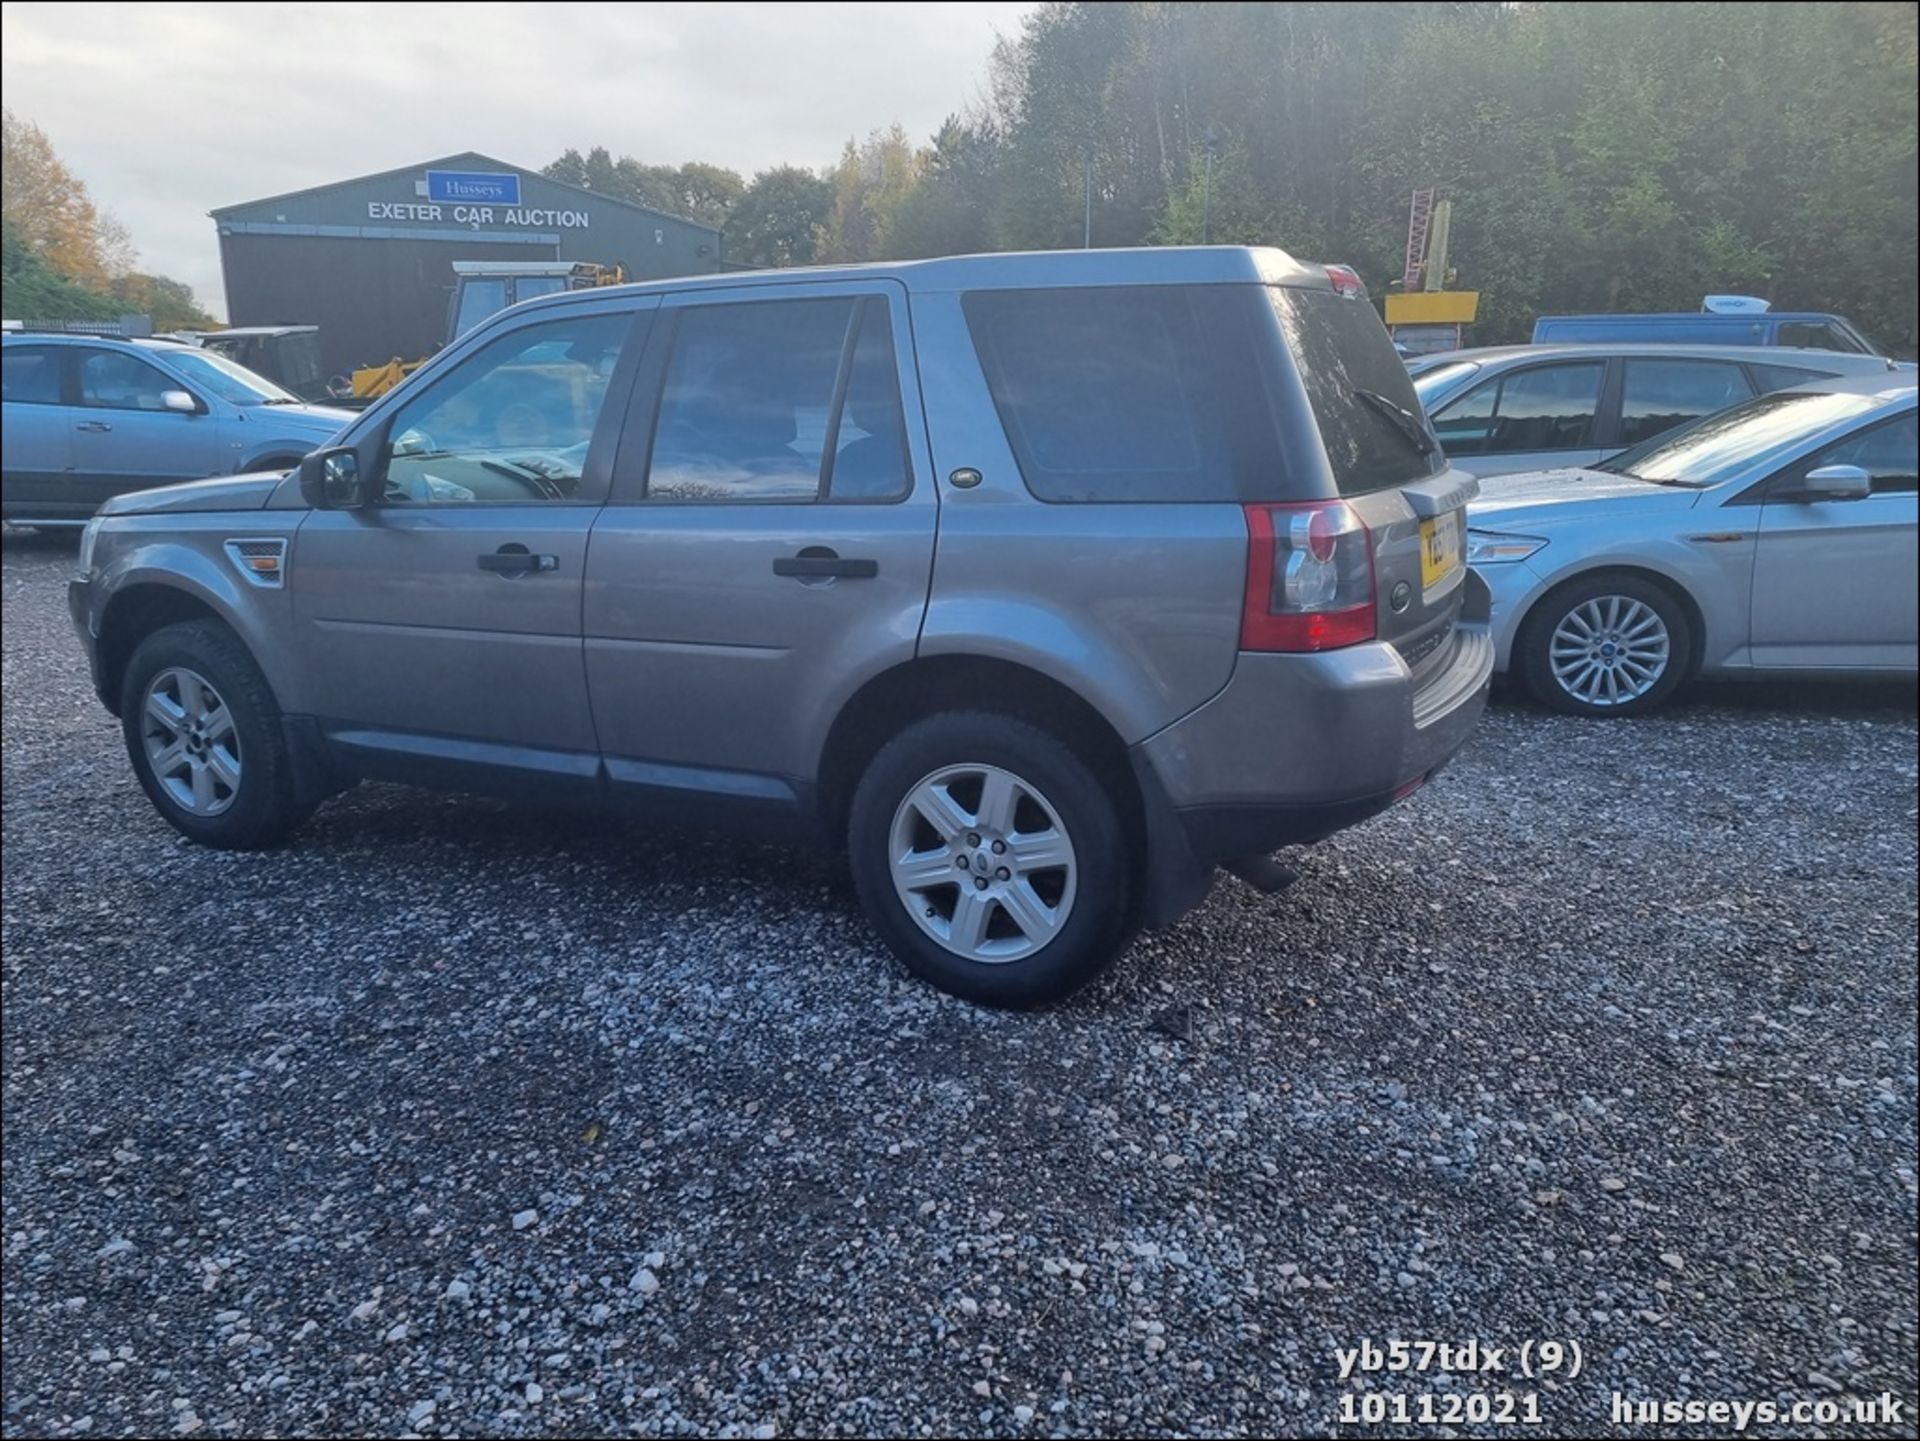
point(1309, 578)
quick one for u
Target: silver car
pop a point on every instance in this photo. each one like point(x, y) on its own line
point(1528, 407)
point(1042, 584)
point(1776, 537)
point(91, 417)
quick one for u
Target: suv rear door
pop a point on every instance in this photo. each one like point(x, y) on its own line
point(768, 540)
point(37, 438)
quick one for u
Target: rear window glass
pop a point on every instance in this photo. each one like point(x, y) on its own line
point(32, 376)
point(1131, 393)
point(1345, 357)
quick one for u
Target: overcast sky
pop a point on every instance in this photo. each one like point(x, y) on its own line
point(167, 111)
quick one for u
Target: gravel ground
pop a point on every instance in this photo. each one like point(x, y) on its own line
point(455, 1118)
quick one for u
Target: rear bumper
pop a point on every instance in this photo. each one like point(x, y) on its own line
point(1297, 747)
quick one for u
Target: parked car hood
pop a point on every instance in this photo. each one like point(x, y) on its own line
point(307, 419)
point(221, 492)
point(1572, 494)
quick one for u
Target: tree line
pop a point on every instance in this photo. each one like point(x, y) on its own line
point(65, 258)
point(1599, 156)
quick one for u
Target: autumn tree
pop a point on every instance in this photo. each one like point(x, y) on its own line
point(49, 207)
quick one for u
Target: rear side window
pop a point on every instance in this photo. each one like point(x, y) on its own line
point(1370, 418)
point(1131, 393)
point(1657, 395)
point(32, 374)
point(790, 400)
point(1549, 407)
point(1814, 335)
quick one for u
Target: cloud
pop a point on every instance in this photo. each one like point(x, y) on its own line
point(168, 112)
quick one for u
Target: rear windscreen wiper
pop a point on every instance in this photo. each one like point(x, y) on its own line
point(1404, 420)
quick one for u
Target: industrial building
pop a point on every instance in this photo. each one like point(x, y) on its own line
point(370, 260)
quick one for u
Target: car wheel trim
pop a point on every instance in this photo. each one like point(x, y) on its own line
point(1610, 650)
point(981, 861)
point(191, 743)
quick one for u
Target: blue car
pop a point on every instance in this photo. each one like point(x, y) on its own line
point(89, 417)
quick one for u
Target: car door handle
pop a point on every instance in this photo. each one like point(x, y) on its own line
point(92, 425)
point(517, 562)
point(819, 563)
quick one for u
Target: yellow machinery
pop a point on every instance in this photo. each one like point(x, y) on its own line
point(1425, 316)
point(482, 288)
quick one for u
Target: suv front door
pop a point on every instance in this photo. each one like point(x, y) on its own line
point(440, 625)
point(769, 541)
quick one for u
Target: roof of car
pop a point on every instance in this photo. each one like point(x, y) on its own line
point(1009, 270)
point(233, 330)
point(1755, 354)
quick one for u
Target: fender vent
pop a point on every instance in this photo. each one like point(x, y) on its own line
point(263, 562)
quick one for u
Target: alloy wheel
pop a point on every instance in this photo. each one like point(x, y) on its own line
point(190, 741)
point(1610, 650)
point(982, 862)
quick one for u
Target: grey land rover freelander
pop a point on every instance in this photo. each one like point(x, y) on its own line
point(1044, 584)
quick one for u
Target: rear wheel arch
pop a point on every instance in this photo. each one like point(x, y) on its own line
point(933, 685)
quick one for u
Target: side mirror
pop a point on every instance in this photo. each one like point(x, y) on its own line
point(180, 400)
point(1836, 482)
point(330, 480)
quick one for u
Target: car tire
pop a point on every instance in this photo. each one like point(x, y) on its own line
point(1607, 645)
point(203, 732)
point(1012, 928)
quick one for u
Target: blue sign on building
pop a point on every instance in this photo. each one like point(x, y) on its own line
point(473, 187)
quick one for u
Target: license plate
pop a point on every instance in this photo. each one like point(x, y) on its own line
point(1440, 548)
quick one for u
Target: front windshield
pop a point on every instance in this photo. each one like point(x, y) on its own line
point(1433, 386)
point(1720, 445)
point(228, 379)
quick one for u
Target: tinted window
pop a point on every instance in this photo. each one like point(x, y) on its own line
point(1549, 407)
point(1719, 446)
point(115, 380)
point(31, 374)
point(1131, 393)
point(1657, 395)
point(1782, 377)
point(1886, 452)
point(510, 422)
point(747, 401)
point(1356, 384)
point(870, 443)
point(1813, 335)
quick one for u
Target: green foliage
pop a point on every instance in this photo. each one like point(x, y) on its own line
point(696, 190)
point(169, 302)
point(1599, 155)
point(781, 218)
point(33, 290)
